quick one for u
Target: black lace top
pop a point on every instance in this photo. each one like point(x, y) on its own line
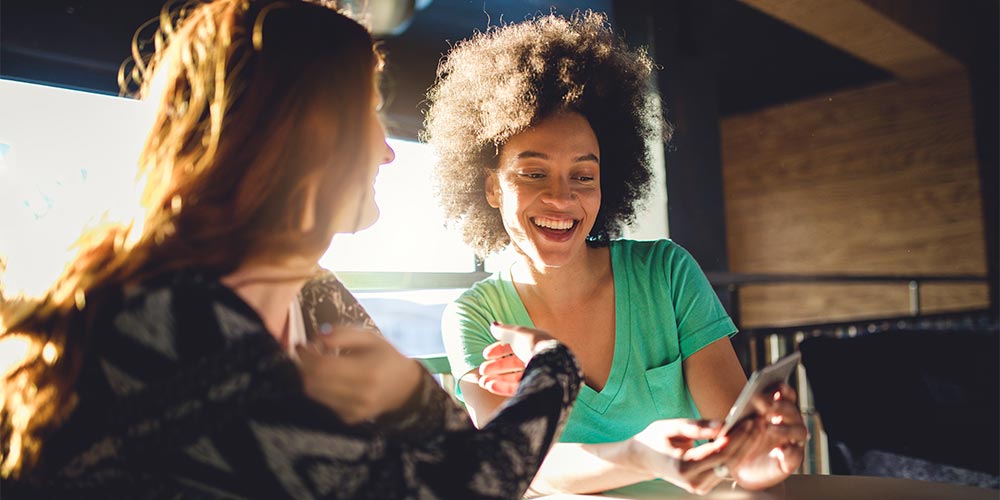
point(184, 394)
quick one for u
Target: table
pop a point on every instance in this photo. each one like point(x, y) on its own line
point(806, 487)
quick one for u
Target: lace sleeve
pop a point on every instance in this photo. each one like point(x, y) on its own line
point(327, 303)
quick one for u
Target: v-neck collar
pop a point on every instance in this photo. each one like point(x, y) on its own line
point(597, 400)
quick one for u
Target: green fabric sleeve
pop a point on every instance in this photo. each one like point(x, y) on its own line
point(465, 328)
point(701, 319)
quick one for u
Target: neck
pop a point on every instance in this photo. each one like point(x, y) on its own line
point(570, 283)
point(269, 289)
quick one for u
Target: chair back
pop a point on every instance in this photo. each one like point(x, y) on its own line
point(910, 398)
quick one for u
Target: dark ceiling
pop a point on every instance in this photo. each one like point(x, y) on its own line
point(760, 61)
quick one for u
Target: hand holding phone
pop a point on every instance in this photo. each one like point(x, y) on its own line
point(759, 380)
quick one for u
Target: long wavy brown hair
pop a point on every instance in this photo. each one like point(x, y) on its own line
point(257, 101)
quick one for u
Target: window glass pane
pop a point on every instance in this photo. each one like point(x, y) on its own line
point(409, 235)
point(65, 157)
point(411, 319)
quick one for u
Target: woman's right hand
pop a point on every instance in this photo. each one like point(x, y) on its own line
point(357, 373)
point(666, 449)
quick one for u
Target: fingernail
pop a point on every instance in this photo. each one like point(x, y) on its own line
point(776, 420)
point(495, 323)
point(777, 395)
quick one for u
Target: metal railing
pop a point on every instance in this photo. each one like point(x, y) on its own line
point(765, 345)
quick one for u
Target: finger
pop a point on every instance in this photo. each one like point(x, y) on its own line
point(744, 440)
point(498, 386)
point(509, 377)
point(786, 393)
point(779, 392)
point(512, 380)
point(497, 350)
point(500, 366)
point(350, 370)
point(784, 411)
point(787, 433)
point(700, 463)
point(697, 429)
point(506, 333)
point(349, 338)
point(702, 452)
point(308, 354)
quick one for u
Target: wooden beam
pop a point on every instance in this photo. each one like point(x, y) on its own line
point(866, 33)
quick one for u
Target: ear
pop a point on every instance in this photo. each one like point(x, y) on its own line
point(492, 186)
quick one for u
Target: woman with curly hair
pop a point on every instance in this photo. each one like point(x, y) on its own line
point(162, 363)
point(541, 128)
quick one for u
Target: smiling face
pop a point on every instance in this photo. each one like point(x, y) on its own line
point(547, 187)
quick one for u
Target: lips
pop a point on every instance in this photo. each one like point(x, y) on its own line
point(555, 229)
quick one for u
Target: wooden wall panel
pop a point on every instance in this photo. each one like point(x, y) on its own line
point(878, 180)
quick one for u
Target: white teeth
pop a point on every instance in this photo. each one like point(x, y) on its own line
point(553, 223)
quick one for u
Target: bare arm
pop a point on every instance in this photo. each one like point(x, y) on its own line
point(569, 467)
point(715, 378)
point(482, 405)
point(665, 449)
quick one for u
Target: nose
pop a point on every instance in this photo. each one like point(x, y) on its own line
point(388, 155)
point(559, 192)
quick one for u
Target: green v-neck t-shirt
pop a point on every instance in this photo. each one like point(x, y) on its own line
point(665, 311)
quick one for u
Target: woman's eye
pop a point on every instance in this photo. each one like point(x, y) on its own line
point(533, 175)
point(584, 178)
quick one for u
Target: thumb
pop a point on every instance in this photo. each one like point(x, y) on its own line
point(697, 429)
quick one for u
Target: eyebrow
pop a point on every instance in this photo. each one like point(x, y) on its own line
point(536, 154)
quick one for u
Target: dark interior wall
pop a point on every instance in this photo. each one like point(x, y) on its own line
point(679, 37)
point(968, 30)
point(697, 95)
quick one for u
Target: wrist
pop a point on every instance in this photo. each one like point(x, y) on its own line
point(544, 345)
point(630, 455)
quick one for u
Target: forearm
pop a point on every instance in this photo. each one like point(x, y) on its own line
point(427, 413)
point(499, 460)
point(587, 468)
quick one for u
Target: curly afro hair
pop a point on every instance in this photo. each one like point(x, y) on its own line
point(500, 82)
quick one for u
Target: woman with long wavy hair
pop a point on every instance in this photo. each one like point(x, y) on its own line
point(166, 360)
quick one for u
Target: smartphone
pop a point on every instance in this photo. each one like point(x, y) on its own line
point(772, 374)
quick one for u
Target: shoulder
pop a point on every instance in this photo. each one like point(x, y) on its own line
point(642, 248)
point(651, 255)
point(326, 301)
point(473, 310)
point(484, 293)
point(147, 332)
point(157, 314)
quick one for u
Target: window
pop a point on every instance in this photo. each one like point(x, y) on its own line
point(62, 158)
point(409, 235)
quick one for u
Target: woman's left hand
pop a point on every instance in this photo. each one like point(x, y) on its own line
point(501, 373)
point(357, 373)
point(779, 448)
